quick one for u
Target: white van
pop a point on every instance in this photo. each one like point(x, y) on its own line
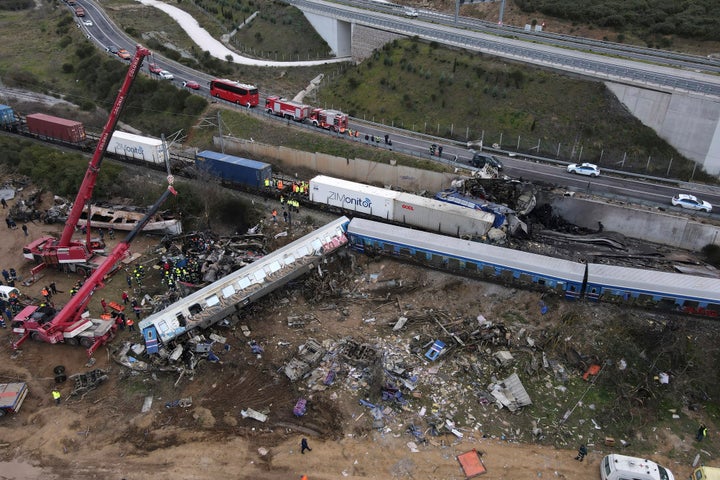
point(706, 473)
point(5, 292)
point(620, 467)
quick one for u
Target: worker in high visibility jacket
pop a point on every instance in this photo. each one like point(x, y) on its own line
point(56, 397)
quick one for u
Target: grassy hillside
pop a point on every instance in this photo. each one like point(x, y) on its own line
point(464, 96)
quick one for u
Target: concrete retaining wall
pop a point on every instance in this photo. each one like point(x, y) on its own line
point(650, 225)
point(354, 169)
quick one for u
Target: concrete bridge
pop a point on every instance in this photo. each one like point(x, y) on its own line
point(682, 106)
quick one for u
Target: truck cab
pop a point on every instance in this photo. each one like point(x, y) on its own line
point(706, 473)
point(6, 293)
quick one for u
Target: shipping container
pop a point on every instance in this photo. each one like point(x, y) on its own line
point(351, 196)
point(441, 217)
point(56, 128)
point(243, 171)
point(136, 147)
point(7, 117)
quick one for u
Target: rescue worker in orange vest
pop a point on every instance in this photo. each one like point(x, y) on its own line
point(280, 185)
point(131, 324)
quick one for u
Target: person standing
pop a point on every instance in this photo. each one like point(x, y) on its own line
point(582, 451)
point(56, 396)
point(701, 433)
point(125, 298)
point(25, 230)
point(304, 446)
point(274, 216)
point(4, 203)
point(53, 288)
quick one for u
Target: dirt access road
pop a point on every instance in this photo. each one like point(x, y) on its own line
point(104, 435)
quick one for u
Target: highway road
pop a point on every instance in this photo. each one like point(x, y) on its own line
point(549, 171)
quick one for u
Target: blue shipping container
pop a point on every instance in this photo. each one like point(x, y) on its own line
point(250, 173)
point(7, 116)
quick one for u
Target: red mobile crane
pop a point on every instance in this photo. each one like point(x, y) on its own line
point(72, 324)
point(79, 255)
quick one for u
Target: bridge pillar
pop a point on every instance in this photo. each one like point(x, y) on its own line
point(337, 33)
point(688, 122)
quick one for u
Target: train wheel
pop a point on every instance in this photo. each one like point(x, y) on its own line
point(59, 369)
point(60, 378)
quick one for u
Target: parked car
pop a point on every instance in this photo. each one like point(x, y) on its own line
point(691, 202)
point(165, 75)
point(111, 49)
point(480, 159)
point(584, 169)
point(124, 54)
point(410, 12)
point(191, 84)
point(154, 68)
point(87, 23)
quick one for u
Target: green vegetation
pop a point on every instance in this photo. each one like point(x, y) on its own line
point(466, 97)
point(55, 170)
point(692, 19)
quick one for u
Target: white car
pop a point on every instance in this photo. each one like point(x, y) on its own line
point(691, 202)
point(584, 169)
point(411, 12)
point(164, 74)
point(87, 23)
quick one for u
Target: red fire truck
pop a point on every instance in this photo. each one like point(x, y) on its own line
point(329, 119)
point(282, 107)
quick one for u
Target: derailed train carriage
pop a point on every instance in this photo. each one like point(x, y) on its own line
point(595, 282)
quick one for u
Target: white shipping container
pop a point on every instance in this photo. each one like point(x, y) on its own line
point(136, 147)
point(440, 217)
point(356, 197)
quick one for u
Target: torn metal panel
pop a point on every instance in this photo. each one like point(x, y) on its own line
point(511, 393)
point(254, 414)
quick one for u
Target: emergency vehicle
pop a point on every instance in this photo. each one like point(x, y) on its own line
point(329, 119)
point(282, 107)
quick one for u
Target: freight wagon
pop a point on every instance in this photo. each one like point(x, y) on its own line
point(404, 208)
point(136, 147)
point(235, 170)
point(55, 128)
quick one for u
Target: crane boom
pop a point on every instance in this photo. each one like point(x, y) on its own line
point(54, 329)
point(86, 188)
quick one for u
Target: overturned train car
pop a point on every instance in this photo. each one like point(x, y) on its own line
point(229, 295)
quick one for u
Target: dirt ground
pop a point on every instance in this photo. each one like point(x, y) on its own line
point(104, 435)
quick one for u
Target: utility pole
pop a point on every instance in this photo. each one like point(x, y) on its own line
point(222, 141)
point(457, 10)
point(502, 12)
